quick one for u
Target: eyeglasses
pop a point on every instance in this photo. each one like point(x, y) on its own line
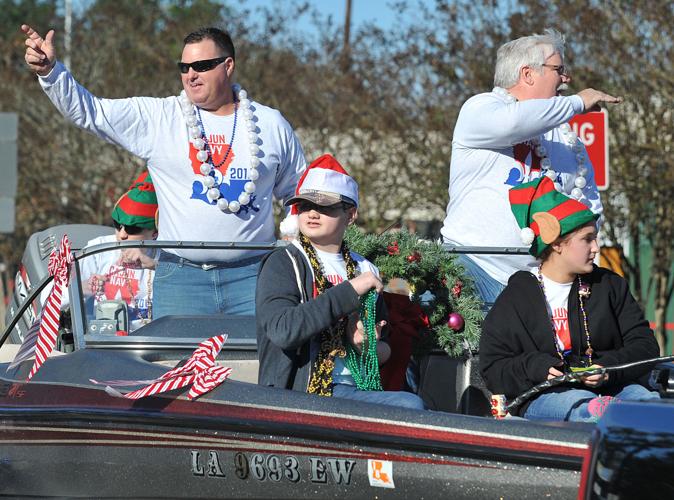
point(559, 68)
point(201, 66)
point(130, 230)
point(305, 206)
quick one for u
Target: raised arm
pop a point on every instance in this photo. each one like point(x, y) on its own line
point(591, 99)
point(487, 121)
point(131, 123)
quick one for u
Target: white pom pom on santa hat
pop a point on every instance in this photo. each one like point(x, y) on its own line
point(289, 226)
point(527, 235)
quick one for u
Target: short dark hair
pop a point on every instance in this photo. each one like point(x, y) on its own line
point(220, 37)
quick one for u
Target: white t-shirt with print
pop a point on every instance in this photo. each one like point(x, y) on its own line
point(557, 297)
point(133, 286)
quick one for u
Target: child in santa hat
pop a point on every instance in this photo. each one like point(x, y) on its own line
point(567, 313)
point(310, 336)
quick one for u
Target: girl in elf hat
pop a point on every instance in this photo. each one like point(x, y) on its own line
point(566, 313)
point(309, 333)
point(126, 274)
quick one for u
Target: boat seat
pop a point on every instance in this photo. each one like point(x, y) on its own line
point(453, 384)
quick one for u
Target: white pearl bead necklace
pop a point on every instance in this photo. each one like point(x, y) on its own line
point(198, 139)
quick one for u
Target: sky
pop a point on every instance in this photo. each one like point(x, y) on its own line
point(362, 11)
point(378, 12)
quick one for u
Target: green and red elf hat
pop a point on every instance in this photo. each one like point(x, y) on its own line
point(544, 214)
point(138, 206)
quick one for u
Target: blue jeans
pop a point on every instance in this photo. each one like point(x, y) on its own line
point(486, 287)
point(183, 289)
point(393, 398)
point(567, 403)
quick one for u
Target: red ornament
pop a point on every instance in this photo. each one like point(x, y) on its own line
point(455, 321)
point(456, 289)
point(393, 249)
point(415, 257)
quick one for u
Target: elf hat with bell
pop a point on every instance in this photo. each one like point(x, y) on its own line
point(545, 214)
point(325, 182)
point(138, 206)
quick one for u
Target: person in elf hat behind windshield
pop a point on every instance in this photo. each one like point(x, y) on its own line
point(126, 274)
point(566, 313)
point(310, 335)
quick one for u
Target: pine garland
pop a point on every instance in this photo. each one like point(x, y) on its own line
point(426, 266)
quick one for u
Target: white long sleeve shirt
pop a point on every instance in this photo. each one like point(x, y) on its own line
point(154, 129)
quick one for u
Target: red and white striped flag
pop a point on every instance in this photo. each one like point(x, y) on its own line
point(200, 371)
point(59, 267)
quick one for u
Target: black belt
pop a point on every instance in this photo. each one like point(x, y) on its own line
point(207, 266)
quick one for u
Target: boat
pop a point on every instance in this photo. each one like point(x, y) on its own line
point(67, 433)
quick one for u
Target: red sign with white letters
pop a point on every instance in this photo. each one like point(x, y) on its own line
point(592, 130)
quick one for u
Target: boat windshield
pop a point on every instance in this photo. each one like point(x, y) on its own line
point(151, 293)
point(162, 292)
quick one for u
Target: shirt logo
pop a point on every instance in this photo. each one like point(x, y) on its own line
point(231, 179)
point(526, 167)
point(335, 279)
point(560, 319)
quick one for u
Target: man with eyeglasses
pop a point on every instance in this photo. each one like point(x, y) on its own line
point(217, 159)
point(515, 134)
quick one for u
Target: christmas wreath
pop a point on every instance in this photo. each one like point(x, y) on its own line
point(436, 282)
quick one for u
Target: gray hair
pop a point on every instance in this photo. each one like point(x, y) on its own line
point(531, 51)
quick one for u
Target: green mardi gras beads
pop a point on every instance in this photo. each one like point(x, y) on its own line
point(364, 367)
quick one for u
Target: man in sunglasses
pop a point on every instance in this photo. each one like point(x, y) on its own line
point(515, 134)
point(217, 159)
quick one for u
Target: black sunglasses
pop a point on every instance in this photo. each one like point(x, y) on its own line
point(131, 230)
point(201, 66)
point(305, 206)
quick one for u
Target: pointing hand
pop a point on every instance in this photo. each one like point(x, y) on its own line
point(591, 99)
point(40, 54)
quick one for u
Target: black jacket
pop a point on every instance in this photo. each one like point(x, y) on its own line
point(517, 346)
point(289, 321)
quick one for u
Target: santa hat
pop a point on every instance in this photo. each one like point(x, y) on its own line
point(325, 183)
point(138, 206)
point(545, 214)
